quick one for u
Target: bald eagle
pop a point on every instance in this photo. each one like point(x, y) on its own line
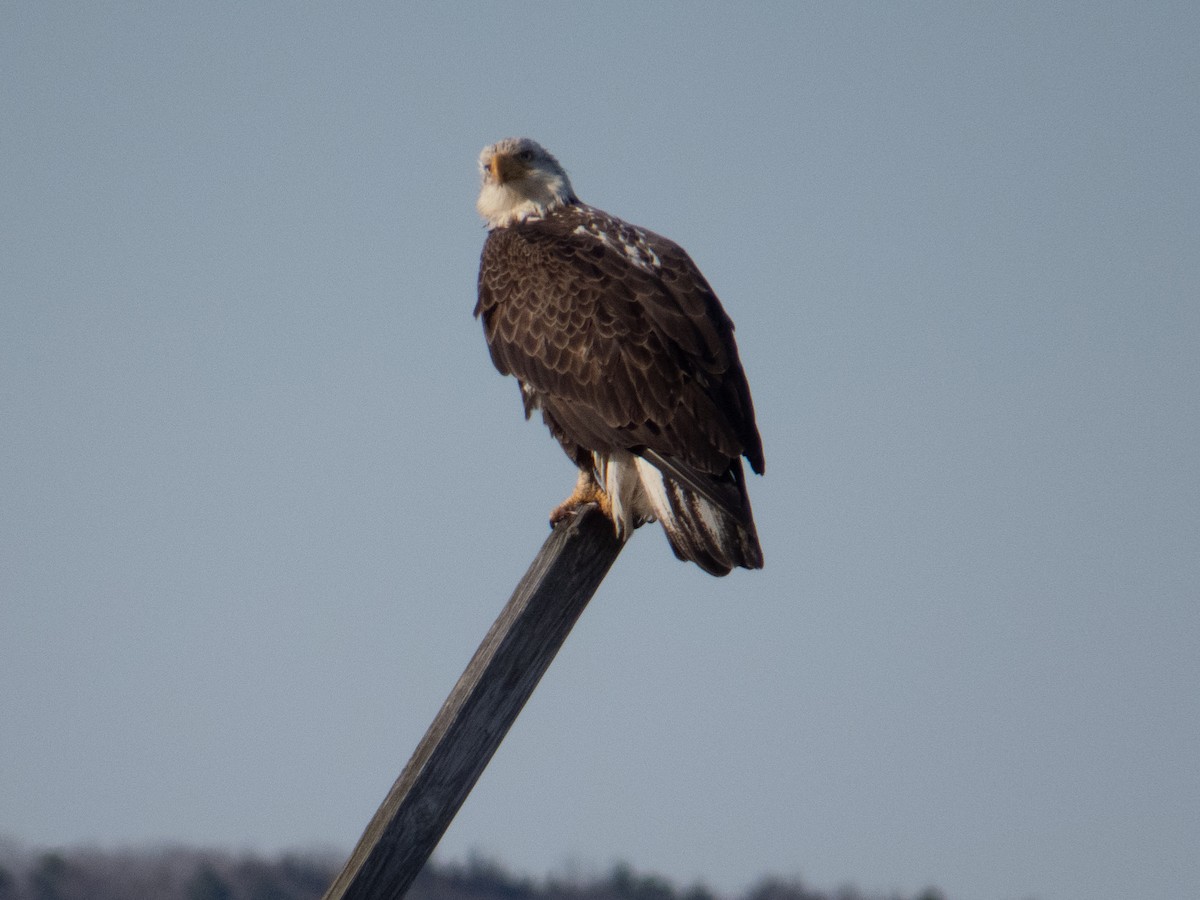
point(613, 333)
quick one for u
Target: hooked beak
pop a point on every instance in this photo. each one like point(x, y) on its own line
point(505, 168)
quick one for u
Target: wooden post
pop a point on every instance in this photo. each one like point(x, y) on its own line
point(476, 716)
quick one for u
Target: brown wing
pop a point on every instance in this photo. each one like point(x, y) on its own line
point(618, 355)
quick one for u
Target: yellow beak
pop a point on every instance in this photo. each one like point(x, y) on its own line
point(505, 168)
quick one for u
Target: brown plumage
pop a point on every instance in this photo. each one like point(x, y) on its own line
point(615, 335)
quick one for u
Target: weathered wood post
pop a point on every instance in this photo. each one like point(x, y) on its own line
point(476, 716)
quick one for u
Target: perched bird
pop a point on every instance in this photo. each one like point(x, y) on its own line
point(613, 333)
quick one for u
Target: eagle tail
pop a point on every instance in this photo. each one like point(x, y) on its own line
point(698, 528)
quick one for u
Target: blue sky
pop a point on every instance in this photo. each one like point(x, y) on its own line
point(262, 493)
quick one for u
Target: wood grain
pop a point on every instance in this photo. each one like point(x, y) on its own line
point(476, 716)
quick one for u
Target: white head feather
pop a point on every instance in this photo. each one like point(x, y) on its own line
point(520, 179)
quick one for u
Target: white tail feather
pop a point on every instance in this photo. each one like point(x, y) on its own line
point(697, 528)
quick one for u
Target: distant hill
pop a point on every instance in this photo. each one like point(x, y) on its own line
point(181, 873)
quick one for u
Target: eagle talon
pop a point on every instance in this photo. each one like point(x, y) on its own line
point(587, 492)
point(562, 512)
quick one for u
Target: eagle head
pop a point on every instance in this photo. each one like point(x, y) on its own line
point(520, 179)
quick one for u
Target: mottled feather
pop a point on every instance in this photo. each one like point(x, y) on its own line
point(648, 358)
point(615, 335)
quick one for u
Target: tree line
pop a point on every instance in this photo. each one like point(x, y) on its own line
point(179, 873)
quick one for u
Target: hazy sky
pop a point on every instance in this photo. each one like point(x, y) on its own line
point(262, 492)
